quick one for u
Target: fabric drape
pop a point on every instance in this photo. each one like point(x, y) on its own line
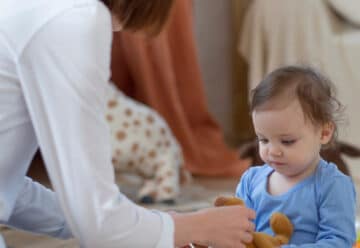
point(275, 33)
point(163, 72)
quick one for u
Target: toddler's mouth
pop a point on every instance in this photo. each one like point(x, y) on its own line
point(276, 163)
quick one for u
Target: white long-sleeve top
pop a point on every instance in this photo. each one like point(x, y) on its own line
point(54, 64)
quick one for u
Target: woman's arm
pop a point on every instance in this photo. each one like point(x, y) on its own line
point(37, 210)
point(62, 71)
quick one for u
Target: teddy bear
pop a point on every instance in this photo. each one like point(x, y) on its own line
point(143, 145)
point(280, 224)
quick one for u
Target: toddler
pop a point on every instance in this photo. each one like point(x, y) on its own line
point(295, 114)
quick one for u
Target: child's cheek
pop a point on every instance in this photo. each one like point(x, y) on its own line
point(262, 152)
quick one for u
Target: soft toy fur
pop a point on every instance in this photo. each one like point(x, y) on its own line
point(331, 154)
point(143, 144)
point(280, 224)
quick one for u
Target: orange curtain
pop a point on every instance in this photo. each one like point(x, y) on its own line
point(163, 72)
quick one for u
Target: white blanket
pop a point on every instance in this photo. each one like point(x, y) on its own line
point(281, 32)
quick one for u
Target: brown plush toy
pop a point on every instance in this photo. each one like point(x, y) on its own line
point(280, 224)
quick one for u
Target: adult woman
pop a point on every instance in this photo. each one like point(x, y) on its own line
point(52, 95)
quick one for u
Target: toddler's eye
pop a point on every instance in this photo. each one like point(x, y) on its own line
point(288, 142)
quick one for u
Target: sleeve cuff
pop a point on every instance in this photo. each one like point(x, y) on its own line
point(168, 229)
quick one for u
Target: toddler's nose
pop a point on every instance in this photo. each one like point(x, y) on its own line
point(275, 151)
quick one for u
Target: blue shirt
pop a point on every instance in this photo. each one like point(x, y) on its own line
point(321, 207)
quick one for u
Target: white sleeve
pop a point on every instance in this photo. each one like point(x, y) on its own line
point(37, 210)
point(63, 72)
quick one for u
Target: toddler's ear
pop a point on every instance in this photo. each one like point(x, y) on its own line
point(327, 131)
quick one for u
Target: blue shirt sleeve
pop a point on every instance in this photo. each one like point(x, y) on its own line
point(243, 188)
point(337, 204)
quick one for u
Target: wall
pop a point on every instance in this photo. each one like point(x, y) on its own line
point(214, 39)
point(217, 25)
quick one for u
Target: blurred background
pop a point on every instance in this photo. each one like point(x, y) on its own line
point(240, 41)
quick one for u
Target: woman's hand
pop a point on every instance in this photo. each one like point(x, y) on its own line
point(223, 227)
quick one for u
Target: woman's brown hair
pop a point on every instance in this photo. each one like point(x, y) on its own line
point(134, 15)
point(315, 92)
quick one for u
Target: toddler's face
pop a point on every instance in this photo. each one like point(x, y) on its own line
point(288, 142)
